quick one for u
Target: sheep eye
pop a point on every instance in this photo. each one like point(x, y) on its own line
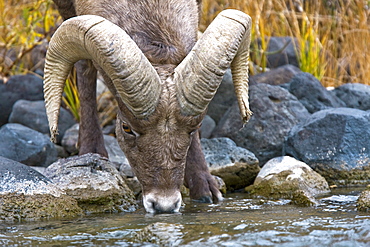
point(127, 129)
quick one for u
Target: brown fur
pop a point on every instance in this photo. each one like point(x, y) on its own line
point(166, 31)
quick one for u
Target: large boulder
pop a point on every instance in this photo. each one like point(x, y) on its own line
point(312, 94)
point(33, 115)
point(208, 125)
point(354, 95)
point(29, 87)
point(94, 182)
point(277, 56)
point(115, 153)
point(236, 166)
point(26, 145)
point(335, 142)
point(288, 178)
point(277, 76)
point(25, 194)
point(275, 112)
point(223, 99)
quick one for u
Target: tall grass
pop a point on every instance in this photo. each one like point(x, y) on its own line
point(332, 37)
point(24, 24)
point(332, 34)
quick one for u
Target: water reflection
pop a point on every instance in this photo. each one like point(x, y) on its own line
point(238, 221)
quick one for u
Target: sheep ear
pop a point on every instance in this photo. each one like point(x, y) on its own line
point(93, 37)
point(224, 44)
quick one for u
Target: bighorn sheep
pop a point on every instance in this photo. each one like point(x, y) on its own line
point(162, 78)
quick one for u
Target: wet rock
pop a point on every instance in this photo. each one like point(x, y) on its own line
point(27, 195)
point(33, 115)
point(354, 95)
point(160, 234)
point(223, 99)
point(236, 166)
point(29, 87)
point(94, 182)
point(363, 202)
point(288, 178)
point(335, 142)
point(276, 76)
point(26, 145)
point(275, 112)
point(312, 94)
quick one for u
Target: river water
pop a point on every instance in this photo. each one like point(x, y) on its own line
point(238, 221)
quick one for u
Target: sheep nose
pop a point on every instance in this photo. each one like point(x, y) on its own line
point(155, 203)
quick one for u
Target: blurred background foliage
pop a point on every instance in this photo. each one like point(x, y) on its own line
point(332, 34)
point(24, 26)
point(332, 37)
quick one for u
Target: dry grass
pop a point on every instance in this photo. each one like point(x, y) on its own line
point(24, 24)
point(333, 34)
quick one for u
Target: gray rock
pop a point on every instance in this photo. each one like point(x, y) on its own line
point(25, 194)
point(286, 56)
point(288, 178)
point(275, 112)
point(26, 145)
point(236, 166)
point(94, 182)
point(33, 115)
point(208, 125)
point(354, 95)
point(335, 142)
point(222, 152)
point(115, 153)
point(277, 76)
point(29, 87)
point(70, 139)
point(117, 156)
point(223, 99)
point(312, 94)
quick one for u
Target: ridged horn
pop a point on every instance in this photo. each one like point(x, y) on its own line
point(95, 38)
point(224, 44)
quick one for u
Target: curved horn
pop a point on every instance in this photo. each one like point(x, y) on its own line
point(225, 43)
point(93, 37)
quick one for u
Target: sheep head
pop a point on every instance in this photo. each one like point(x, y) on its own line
point(158, 115)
